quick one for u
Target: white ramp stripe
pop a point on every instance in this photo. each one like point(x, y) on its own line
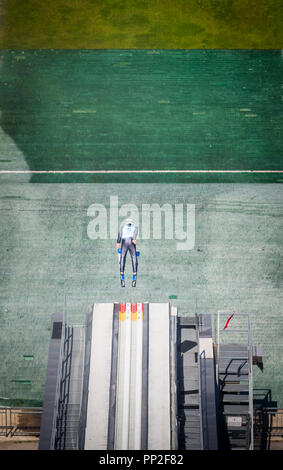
point(136, 379)
point(123, 383)
point(99, 378)
point(139, 366)
point(142, 403)
point(159, 420)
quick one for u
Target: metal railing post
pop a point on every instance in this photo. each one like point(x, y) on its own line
point(199, 385)
point(250, 384)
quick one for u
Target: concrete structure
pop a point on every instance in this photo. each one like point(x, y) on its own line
point(137, 377)
point(125, 397)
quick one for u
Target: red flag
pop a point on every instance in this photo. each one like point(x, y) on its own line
point(227, 322)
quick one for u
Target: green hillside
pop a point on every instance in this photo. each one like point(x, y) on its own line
point(142, 24)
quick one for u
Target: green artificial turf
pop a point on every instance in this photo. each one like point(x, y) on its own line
point(142, 110)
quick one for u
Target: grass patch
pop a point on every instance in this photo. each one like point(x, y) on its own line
point(124, 24)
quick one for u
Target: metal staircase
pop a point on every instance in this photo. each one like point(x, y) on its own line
point(188, 385)
point(214, 381)
point(235, 382)
point(69, 410)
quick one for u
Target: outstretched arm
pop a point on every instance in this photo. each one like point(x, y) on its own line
point(118, 244)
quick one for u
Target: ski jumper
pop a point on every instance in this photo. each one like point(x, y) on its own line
point(128, 233)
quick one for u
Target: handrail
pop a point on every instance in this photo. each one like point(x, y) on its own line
point(250, 355)
point(248, 331)
point(200, 388)
point(64, 388)
point(21, 408)
point(11, 427)
point(173, 380)
point(58, 389)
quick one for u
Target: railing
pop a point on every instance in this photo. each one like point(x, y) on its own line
point(59, 379)
point(17, 421)
point(202, 398)
point(242, 332)
point(270, 419)
point(268, 424)
point(201, 354)
point(60, 438)
point(173, 381)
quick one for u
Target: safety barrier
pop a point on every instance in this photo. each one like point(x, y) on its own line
point(17, 421)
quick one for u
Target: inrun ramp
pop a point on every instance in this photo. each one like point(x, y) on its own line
point(130, 378)
point(134, 377)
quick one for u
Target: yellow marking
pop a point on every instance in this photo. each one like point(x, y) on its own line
point(122, 316)
point(245, 109)
point(134, 312)
point(122, 313)
point(164, 101)
point(201, 113)
point(250, 115)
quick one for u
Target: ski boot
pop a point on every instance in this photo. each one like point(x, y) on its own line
point(134, 281)
point(122, 280)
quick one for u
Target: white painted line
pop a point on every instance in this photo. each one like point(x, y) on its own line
point(99, 378)
point(93, 172)
point(136, 381)
point(123, 383)
point(159, 415)
point(138, 385)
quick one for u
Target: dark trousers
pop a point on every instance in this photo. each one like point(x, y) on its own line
point(128, 245)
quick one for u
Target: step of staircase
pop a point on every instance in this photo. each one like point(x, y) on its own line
point(234, 367)
point(188, 380)
point(187, 321)
point(233, 398)
point(238, 429)
point(233, 347)
point(190, 384)
point(191, 399)
point(233, 378)
point(235, 388)
point(238, 442)
point(239, 409)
